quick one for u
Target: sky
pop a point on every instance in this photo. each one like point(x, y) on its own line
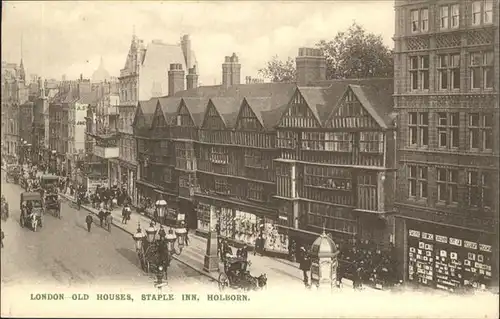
point(65, 37)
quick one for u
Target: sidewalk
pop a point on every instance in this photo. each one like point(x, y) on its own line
point(277, 270)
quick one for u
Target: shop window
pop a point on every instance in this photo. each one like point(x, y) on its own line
point(246, 227)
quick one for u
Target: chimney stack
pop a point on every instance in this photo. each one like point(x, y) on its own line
point(175, 79)
point(311, 66)
point(231, 71)
point(192, 78)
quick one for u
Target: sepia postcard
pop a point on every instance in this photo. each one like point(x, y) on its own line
point(253, 159)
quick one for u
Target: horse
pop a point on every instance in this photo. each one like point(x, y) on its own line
point(34, 222)
point(262, 281)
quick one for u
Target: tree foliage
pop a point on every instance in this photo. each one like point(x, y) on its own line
point(279, 71)
point(354, 53)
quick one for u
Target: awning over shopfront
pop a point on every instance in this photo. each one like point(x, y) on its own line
point(300, 233)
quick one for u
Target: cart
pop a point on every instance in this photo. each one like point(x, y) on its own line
point(52, 205)
point(35, 219)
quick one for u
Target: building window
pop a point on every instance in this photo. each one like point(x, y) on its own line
point(473, 189)
point(474, 131)
point(488, 70)
point(455, 16)
point(419, 72)
point(338, 142)
point(443, 17)
point(487, 190)
point(414, 21)
point(255, 191)
point(417, 176)
point(221, 186)
point(481, 131)
point(449, 71)
point(412, 128)
point(371, 142)
point(481, 70)
point(447, 182)
point(424, 15)
point(423, 127)
point(487, 132)
point(218, 155)
point(476, 12)
point(447, 128)
point(488, 12)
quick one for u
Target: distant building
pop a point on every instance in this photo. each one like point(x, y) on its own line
point(156, 70)
point(100, 74)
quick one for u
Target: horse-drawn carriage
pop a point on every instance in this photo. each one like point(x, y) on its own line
point(49, 183)
point(52, 204)
point(13, 173)
point(31, 210)
point(237, 276)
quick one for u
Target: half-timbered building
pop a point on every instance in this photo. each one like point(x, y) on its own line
point(334, 169)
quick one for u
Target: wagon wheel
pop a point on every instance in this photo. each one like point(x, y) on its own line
point(223, 281)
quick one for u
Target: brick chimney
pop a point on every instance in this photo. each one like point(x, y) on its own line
point(311, 66)
point(231, 71)
point(175, 79)
point(186, 50)
point(192, 78)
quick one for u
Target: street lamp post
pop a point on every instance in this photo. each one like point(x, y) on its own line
point(211, 261)
point(157, 250)
point(161, 206)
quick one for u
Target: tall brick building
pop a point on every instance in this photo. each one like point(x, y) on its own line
point(446, 93)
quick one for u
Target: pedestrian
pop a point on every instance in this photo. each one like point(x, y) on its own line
point(305, 266)
point(243, 254)
point(109, 220)
point(186, 240)
point(89, 220)
point(3, 236)
point(124, 214)
point(101, 216)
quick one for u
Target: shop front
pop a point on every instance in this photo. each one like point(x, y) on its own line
point(448, 258)
point(148, 195)
point(242, 223)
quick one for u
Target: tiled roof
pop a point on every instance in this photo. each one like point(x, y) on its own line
point(377, 101)
point(227, 110)
point(196, 107)
point(148, 109)
point(169, 106)
point(272, 117)
point(315, 98)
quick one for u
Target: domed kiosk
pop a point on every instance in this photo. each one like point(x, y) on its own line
point(324, 262)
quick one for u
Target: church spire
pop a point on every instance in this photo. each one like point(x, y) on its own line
point(22, 74)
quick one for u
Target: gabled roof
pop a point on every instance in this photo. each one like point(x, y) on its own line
point(196, 107)
point(169, 106)
point(375, 93)
point(228, 108)
point(147, 109)
point(315, 98)
point(376, 103)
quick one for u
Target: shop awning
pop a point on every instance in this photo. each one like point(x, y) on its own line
point(144, 183)
point(301, 233)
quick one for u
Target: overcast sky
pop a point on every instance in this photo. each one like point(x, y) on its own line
point(70, 37)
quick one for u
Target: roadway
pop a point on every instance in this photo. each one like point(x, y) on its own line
point(62, 253)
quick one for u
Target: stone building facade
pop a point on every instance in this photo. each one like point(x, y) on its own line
point(446, 95)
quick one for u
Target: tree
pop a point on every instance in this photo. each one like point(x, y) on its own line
point(354, 53)
point(357, 53)
point(279, 71)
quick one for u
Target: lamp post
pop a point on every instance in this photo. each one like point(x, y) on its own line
point(211, 261)
point(161, 206)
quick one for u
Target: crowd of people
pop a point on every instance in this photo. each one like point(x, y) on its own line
point(363, 262)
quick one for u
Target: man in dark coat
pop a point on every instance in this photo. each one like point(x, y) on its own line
point(101, 216)
point(305, 265)
point(89, 220)
point(243, 254)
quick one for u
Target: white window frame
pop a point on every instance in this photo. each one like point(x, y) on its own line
point(476, 13)
point(487, 12)
point(444, 19)
point(455, 15)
